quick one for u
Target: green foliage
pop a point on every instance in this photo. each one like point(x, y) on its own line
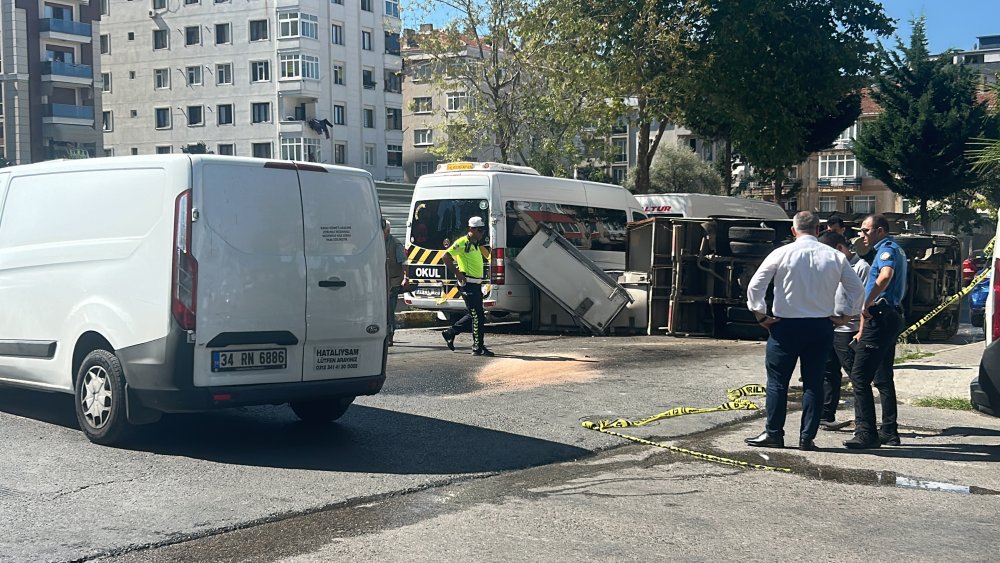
point(951, 403)
point(676, 169)
point(780, 79)
point(917, 145)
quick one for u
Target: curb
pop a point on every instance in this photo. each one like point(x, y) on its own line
point(416, 319)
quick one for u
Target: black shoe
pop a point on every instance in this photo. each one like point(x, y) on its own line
point(862, 442)
point(831, 425)
point(807, 445)
point(765, 440)
point(449, 339)
point(887, 439)
point(483, 352)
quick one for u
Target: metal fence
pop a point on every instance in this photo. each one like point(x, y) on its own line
point(395, 202)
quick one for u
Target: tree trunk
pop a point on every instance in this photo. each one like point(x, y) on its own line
point(925, 219)
point(777, 183)
point(642, 150)
point(727, 167)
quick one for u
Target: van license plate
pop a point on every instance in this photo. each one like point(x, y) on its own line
point(427, 292)
point(243, 360)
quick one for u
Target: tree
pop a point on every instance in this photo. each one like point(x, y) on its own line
point(676, 169)
point(778, 79)
point(930, 113)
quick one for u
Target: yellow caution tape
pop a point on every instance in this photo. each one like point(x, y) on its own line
point(949, 301)
point(734, 403)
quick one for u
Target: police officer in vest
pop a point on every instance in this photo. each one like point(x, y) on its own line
point(466, 253)
point(881, 323)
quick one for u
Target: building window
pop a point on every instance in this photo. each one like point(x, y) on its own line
point(423, 71)
point(164, 149)
point(131, 36)
point(109, 152)
point(366, 40)
point(338, 74)
point(260, 150)
point(367, 79)
point(298, 148)
point(224, 73)
point(366, 5)
point(620, 147)
point(133, 113)
point(159, 4)
point(224, 114)
point(368, 118)
point(295, 65)
point(618, 174)
point(393, 119)
point(337, 34)
point(861, 204)
point(260, 112)
point(339, 115)
point(192, 35)
point(105, 7)
point(106, 82)
point(393, 81)
point(456, 101)
point(196, 116)
point(260, 71)
point(193, 75)
point(847, 136)
point(827, 203)
point(131, 75)
point(340, 153)
point(161, 78)
point(189, 2)
point(160, 39)
point(392, 43)
point(423, 167)
point(107, 123)
point(837, 166)
point(223, 33)
point(105, 44)
point(258, 31)
point(392, 8)
point(162, 118)
point(423, 105)
point(295, 24)
point(134, 150)
point(369, 155)
point(338, 2)
point(227, 149)
point(394, 155)
point(423, 137)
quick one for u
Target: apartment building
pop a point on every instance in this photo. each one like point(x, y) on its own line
point(313, 80)
point(429, 108)
point(47, 53)
point(985, 58)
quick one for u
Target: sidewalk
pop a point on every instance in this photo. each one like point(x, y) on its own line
point(945, 374)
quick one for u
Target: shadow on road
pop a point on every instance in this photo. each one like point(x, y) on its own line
point(365, 440)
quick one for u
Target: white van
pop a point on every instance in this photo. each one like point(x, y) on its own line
point(992, 314)
point(705, 206)
point(512, 200)
point(176, 283)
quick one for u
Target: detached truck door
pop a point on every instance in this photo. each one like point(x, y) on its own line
point(251, 286)
point(346, 311)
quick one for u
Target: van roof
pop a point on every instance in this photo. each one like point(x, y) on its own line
point(117, 162)
point(484, 167)
point(705, 205)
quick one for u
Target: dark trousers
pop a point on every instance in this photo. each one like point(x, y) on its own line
point(807, 341)
point(873, 364)
point(841, 356)
point(393, 301)
point(472, 293)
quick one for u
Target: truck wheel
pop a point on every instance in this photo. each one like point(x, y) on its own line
point(321, 410)
point(100, 398)
point(751, 234)
point(750, 248)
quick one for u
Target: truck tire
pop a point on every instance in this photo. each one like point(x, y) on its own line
point(750, 248)
point(100, 398)
point(751, 234)
point(320, 411)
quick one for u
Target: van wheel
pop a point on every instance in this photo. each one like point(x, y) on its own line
point(100, 398)
point(321, 410)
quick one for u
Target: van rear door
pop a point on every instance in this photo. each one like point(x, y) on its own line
point(251, 272)
point(345, 270)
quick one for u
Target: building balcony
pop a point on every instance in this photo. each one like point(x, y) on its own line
point(69, 73)
point(851, 183)
point(67, 30)
point(67, 114)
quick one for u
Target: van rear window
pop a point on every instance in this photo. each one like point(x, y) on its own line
point(588, 228)
point(436, 223)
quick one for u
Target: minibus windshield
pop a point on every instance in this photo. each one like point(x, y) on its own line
point(436, 223)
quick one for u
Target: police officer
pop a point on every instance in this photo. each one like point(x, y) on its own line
point(881, 323)
point(469, 271)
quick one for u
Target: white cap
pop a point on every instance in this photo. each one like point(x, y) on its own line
point(476, 222)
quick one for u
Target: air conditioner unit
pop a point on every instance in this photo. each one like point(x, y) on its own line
point(152, 14)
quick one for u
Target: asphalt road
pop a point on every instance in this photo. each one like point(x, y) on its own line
point(463, 458)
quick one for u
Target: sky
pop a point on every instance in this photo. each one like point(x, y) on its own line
point(950, 23)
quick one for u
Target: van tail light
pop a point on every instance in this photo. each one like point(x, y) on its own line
point(996, 300)
point(184, 273)
point(498, 271)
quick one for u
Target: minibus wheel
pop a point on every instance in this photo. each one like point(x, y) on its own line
point(100, 398)
point(321, 410)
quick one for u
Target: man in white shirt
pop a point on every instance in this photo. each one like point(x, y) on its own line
point(806, 275)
